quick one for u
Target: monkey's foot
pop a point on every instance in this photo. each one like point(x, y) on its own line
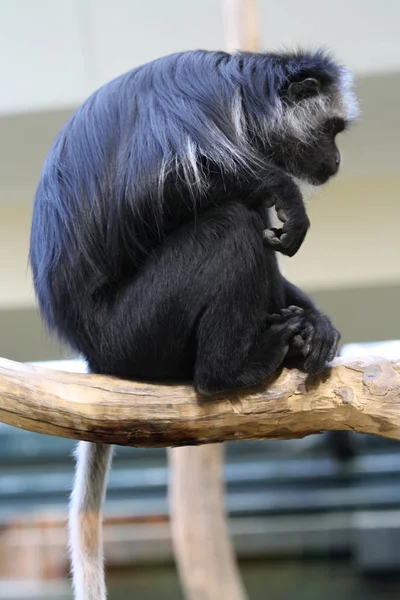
point(317, 341)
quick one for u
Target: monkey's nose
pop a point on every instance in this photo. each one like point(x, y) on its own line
point(338, 158)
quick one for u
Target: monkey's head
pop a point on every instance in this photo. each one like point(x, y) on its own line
point(313, 103)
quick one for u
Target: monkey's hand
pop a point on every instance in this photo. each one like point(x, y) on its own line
point(317, 341)
point(286, 313)
point(291, 314)
point(290, 237)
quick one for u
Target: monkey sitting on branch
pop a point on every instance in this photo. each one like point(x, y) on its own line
point(152, 250)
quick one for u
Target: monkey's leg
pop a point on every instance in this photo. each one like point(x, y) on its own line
point(320, 338)
point(85, 520)
point(228, 362)
point(239, 342)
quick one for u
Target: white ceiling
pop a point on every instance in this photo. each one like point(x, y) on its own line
point(54, 53)
point(362, 33)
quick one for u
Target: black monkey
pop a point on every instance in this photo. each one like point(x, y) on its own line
point(151, 247)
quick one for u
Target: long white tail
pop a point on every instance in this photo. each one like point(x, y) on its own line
point(85, 520)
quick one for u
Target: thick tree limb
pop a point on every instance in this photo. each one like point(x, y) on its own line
point(354, 395)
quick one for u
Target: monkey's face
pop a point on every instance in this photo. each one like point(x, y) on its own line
point(313, 160)
point(320, 160)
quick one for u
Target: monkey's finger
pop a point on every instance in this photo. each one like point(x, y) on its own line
point(334, 347)
point(287, 329)
point(308, 334)
point(319, 354)
point(298, 341)
point(315, 361)
point(292, 311)
point(273, 232)
point(292, 326)
point(282, 215)
point(271, 238)
point(290, 243)
point(293, 236)
point(295, 310)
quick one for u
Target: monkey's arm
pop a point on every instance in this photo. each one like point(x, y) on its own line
point(282, 193)
point(296, 296)
point(319, 338)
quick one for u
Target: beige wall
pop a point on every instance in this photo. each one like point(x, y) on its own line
point(354, 236)
point(15, 281)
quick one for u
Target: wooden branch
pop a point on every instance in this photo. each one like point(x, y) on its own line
point(359, 395)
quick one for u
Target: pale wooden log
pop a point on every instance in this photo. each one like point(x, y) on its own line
point(203, 549)
point(242, 31)
point(359, 395)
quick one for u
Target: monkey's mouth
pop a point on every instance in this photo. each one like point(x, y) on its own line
point(320, 180)
point(322, 176)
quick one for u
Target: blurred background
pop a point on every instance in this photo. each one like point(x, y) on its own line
point(303, 514)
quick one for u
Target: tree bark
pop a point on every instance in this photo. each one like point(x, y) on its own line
point(359, 395)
